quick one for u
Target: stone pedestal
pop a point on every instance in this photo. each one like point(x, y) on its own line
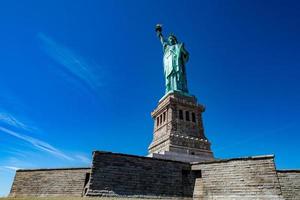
point(178, 130)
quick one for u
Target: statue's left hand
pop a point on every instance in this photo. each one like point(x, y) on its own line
point(158, 28)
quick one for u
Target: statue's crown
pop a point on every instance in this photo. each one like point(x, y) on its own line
point(173, 36)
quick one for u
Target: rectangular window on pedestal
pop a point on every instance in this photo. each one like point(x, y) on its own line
point(187, 115)
point(193, 117)
point(180, 114)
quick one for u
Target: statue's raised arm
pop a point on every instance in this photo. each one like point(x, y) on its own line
point(158, 30)
point(175, 58)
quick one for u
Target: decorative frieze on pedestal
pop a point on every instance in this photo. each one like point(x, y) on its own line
point(178, 130)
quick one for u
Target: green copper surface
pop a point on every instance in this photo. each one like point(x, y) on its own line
point(174, 60)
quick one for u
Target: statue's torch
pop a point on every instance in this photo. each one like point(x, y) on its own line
point(158, 29)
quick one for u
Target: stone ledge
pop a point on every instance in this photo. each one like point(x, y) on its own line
point(187, 158)
point(134, 156)
point(53, 169)
point(262, 157)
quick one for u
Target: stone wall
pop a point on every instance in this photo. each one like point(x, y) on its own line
point(290, 184)
point(123, 175)
point(241, 178)
point(134, 176)
point(49, 182)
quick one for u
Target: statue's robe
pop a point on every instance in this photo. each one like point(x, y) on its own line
point(175, 57)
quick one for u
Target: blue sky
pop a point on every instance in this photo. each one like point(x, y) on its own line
point(78, 76)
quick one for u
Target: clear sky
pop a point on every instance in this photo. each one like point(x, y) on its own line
point(78, 76)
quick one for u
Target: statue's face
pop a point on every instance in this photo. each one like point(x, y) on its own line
point(172, 40)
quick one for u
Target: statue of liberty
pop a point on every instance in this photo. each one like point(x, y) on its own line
point(175, 58)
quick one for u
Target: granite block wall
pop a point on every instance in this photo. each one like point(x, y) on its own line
point(142, 177)
point(290, 184)
point(134, 176)
point(49, 182)
point(241, 178)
